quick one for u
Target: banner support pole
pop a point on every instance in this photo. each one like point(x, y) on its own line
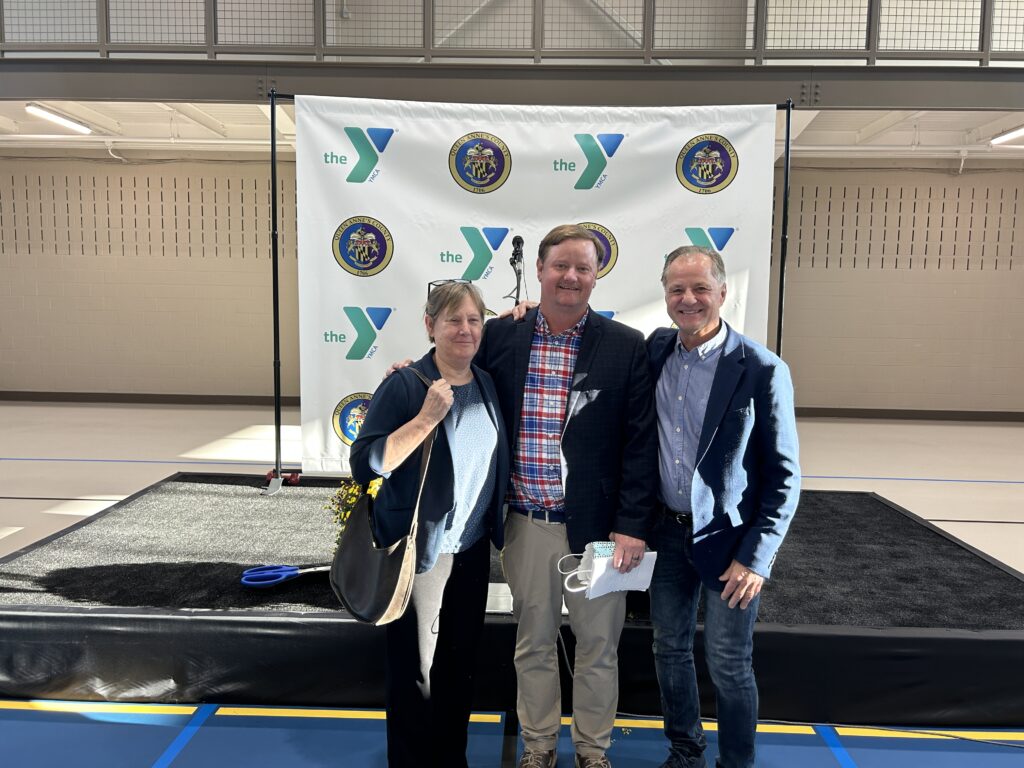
point(276, 479)
point(784, 242)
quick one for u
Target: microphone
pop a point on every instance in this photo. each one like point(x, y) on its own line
point(516, 260)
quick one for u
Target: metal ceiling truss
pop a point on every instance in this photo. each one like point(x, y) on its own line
point(435, 43)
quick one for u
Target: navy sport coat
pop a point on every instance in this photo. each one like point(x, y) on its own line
point(609, 441)
point(746, 482)
point(397, 400)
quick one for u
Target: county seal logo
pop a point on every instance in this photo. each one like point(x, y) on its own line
point(362, 246)
point(611, 247)
point(349, 415)
point(480, 162)
point(707, 164)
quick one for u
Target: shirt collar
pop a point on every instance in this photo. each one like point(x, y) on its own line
point(543, 329)
point(709, 347)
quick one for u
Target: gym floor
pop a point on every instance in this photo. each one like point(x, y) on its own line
point(62, 462)
point(51, 734)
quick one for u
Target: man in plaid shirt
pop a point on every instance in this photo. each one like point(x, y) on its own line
point(577, 398)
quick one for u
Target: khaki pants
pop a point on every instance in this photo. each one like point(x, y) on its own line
point(530, 557)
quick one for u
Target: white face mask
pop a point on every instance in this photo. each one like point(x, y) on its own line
point(596, 576)
point(594, 549)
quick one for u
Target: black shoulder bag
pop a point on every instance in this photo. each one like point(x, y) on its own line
point(374, 583)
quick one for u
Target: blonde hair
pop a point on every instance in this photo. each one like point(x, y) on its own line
point(564, 232)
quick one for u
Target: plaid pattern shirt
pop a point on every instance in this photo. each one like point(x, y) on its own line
point(537, 464)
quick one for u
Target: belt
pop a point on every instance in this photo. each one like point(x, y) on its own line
point(547, 515)
point(683, 518)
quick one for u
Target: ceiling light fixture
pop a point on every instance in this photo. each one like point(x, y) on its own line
point(1002, 138)
point(53, 117)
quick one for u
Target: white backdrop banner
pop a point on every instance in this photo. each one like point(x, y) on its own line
point(392, 195)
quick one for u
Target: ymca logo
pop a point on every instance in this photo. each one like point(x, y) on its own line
point(712, 237)
point(484, 243)
point(596, 149)
point(366, 321)
point(367, 145)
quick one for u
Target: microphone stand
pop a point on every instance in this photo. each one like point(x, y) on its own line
point(516, 262)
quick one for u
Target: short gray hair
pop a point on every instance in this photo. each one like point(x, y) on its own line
point(448, 296)
point(717, 265)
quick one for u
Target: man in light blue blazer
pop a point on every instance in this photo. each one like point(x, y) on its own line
point(729, 485)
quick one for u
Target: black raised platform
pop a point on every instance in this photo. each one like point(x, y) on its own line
point(872, 616)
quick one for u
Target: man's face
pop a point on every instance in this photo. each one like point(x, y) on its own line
point(693, 298)
point(567, 276)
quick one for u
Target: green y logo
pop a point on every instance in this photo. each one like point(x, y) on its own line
point(484, 243)
point(366, 322)
point(596, 162)
point(367, 145)
point(712, 237)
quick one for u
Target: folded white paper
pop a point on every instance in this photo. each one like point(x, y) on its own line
point(605, 578)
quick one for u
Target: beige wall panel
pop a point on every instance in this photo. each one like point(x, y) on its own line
point(145, 278)
point(905, 289)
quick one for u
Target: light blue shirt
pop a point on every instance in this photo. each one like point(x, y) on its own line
point(473, 441)
point(682, 397)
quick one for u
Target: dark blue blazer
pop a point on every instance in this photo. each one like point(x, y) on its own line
point(397, 401)
point(609, 439)
point(746, 482)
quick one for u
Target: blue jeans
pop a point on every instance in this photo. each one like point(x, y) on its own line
point(728, 644)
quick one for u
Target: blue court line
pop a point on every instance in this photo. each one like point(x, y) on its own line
point(215, 462)
point(185, 736)
point(913, 479)
point(831, 738)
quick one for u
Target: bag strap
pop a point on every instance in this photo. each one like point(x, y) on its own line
point(428, 444)
point(421, 377)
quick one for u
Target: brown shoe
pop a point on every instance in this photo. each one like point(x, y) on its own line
point(592, 761)
point(534, 759)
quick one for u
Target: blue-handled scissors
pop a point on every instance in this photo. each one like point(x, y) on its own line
point(263, 576)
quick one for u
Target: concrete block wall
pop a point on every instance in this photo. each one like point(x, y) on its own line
point(904, 290)
point(149, 278)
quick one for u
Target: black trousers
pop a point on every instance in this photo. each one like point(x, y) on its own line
point(431, 654)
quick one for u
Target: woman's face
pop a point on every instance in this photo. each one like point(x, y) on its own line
point(457, 331)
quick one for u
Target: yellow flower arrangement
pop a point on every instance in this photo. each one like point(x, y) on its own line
point(340, 505)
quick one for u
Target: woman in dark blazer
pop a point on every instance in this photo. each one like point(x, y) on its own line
point(431, 650)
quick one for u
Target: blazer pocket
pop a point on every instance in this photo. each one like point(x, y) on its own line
point(581, 399)
point(739, 413)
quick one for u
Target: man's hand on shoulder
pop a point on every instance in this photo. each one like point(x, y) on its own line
point(397, 367)
point(518, 312)
point(741, 585)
